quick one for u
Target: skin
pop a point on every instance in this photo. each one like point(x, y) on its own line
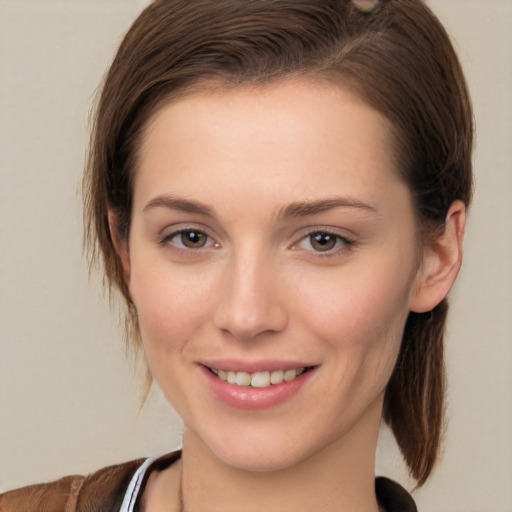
point(255, 161)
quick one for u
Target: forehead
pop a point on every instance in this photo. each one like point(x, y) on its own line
point(309, 97)
point(314, 138)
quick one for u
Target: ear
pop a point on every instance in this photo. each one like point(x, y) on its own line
point(442, 258)
point(120, 245)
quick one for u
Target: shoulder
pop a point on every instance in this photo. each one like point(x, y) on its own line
point(53, 496)
point(101, 491)
point(104, 491)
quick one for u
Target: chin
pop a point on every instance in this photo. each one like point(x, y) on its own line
point(261, 450)
point(257, 460)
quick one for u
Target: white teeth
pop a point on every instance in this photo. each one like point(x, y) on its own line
point(277, 377)
point(290, 375)
point(258, 379)
point(243, 379)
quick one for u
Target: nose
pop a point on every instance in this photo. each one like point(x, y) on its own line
point(250, 303)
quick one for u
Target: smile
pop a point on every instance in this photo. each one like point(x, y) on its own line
point(262, 379)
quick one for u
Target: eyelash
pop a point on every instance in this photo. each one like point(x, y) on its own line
point(168, 239)
point(342, 243)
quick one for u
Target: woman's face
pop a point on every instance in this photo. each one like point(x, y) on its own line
point(271, 239)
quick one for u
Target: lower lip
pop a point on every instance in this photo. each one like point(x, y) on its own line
point(249, 398)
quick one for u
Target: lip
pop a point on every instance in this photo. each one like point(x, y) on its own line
point(249, 398)
point(261, 365)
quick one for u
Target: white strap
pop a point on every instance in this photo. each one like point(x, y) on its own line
point(133, 489)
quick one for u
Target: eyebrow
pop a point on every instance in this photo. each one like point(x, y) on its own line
point(297, 209)
point(306, 208)
point(178, 203)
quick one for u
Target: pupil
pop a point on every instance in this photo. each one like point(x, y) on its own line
point(193, 239)
point(323, 241)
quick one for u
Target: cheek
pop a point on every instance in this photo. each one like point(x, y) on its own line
point(171, 305)
point(361, 317)
point(368, 303)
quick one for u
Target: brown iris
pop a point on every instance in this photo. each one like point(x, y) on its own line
point(323, 241)
point(193, 239)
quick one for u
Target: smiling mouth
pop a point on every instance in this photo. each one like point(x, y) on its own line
point(261, 379)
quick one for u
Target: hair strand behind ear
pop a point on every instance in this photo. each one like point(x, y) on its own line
point(414, 406)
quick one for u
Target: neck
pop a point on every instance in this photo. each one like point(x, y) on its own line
point(339, 477)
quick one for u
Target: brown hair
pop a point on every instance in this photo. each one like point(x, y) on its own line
point(397, 57)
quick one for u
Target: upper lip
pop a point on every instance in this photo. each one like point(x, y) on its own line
point(238, 365)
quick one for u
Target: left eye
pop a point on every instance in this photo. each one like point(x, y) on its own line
point(190, 239)
point(322, 241)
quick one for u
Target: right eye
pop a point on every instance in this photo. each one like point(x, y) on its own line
point(189, 239)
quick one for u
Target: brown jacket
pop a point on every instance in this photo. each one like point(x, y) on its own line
point(104, 491)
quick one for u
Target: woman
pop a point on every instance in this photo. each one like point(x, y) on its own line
point(278, 190)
